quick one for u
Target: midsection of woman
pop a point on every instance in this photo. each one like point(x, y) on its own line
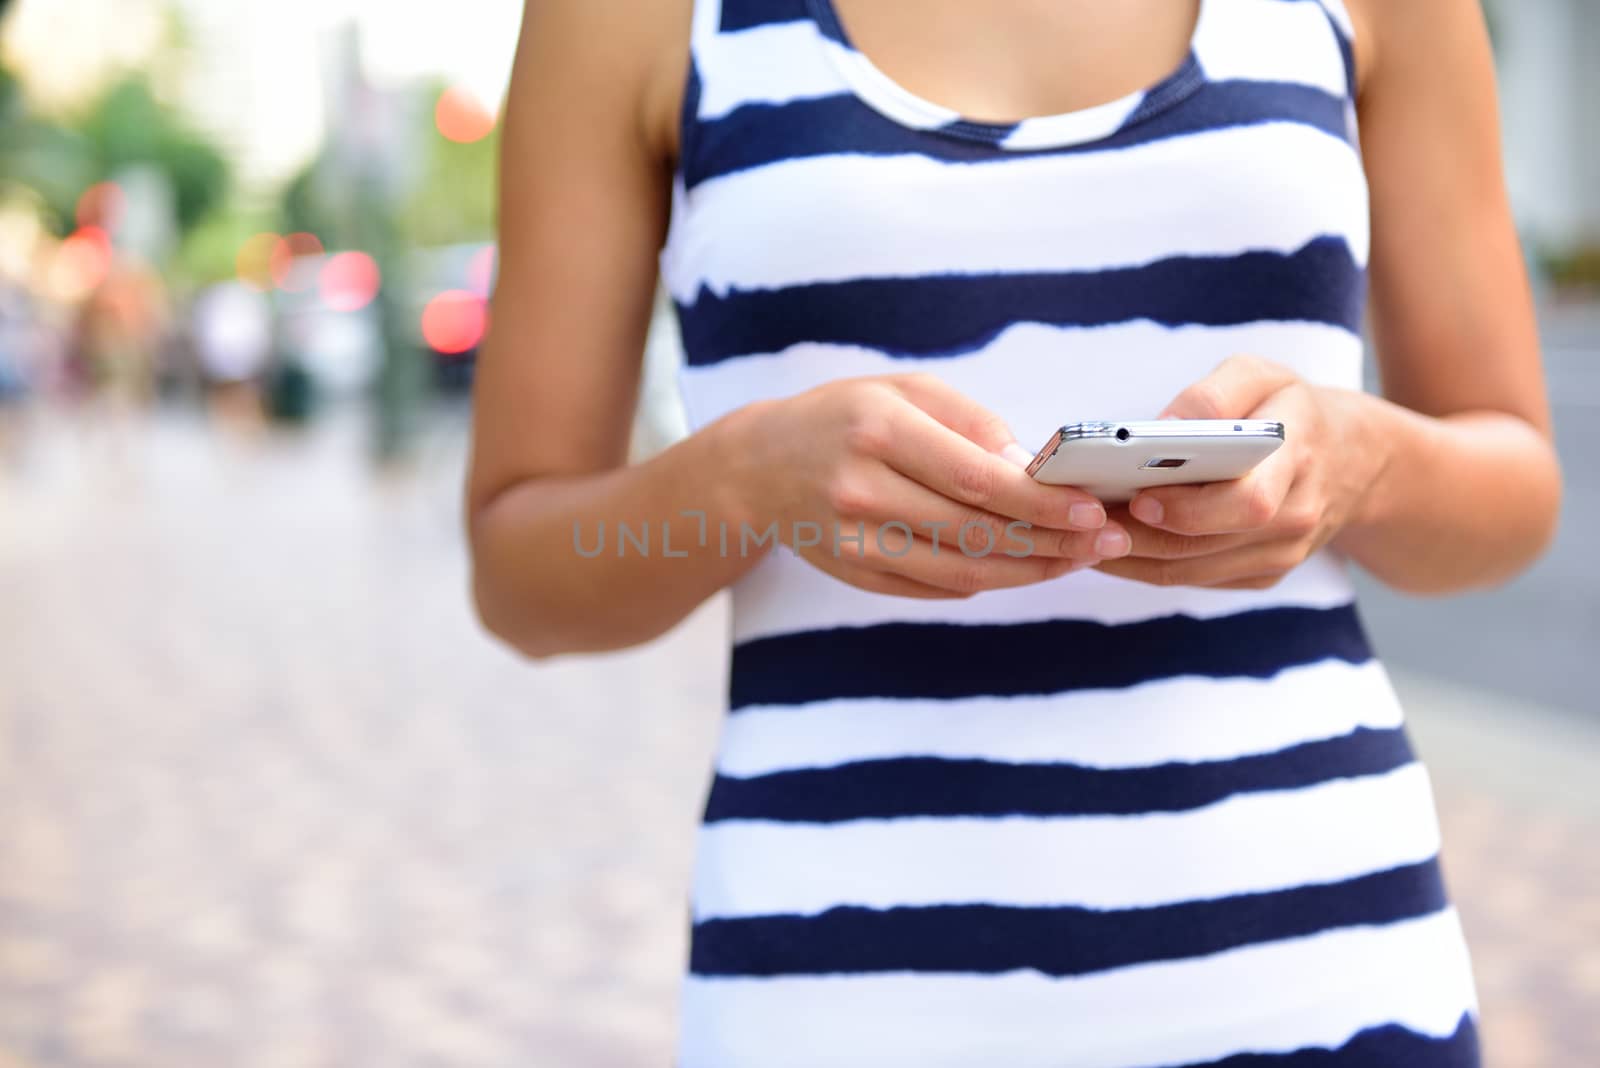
point(1119, 816)
point(1087, 821)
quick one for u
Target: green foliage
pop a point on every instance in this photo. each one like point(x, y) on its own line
point(128, 125)
point(52, 161)
point(453, 198)
point(210, 252)
point(1575, 269)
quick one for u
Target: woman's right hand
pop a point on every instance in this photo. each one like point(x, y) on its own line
point(908, 449)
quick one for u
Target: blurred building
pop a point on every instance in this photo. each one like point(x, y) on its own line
point(1548, 53)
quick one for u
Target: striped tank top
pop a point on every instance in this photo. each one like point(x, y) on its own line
point(1089, 821)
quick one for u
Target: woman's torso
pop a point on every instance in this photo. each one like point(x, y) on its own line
point(1088, 821)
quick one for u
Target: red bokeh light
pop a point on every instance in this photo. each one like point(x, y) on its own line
point(454, 322)
point(258, 258)
point(82, 261)
point(461, 118)
point(102, 206)
point(480, 271)
point(349, 281)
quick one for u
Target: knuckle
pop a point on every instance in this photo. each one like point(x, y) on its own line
point(1259, 507)
point(1167, 573)
point(1075, 544)
point(1299, 522)
point(974, 482)
point(1178, 516)
point(867, 432)
point(1171, 547)
point(969, 577)
point(1205, 400)
point(847, 495)
point(990, 427)
point(977, 530)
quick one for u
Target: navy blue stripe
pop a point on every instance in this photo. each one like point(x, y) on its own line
point(748, 14)
point(949, 660)
point(828, 24)
point(688, 124)
point(945, 315)
point(1188, 78)
point(754, 135)
point(1390, 1046)
point(934, 786)
point(1058, 941)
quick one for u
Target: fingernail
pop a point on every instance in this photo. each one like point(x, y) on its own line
point(1112, 543)
point(1147, 510)
point(1016, 454)
point(1086, 516)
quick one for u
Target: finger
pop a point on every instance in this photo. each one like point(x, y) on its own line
point(892, 498)
point(1252, 562)
point(1154, 543)
point(1234, 389)
point(855, 574)
point(947, 567)
point(1240, 504)
point(926, 451)
point(954, 409)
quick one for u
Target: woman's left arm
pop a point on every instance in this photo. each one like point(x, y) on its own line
point(1449, 480)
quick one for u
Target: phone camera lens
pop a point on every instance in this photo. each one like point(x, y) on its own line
point(1122, 433)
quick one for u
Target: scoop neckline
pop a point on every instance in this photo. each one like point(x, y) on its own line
point(1080, 125)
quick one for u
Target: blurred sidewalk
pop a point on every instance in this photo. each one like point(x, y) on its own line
point(268, 797)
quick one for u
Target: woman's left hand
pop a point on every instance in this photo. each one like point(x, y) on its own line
point(1249, 532)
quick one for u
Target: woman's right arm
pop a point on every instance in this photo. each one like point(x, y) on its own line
point(584, 200)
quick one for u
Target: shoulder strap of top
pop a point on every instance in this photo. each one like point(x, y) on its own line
point(1344, 28)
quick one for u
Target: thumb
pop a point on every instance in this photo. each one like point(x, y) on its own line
point(1238, 386)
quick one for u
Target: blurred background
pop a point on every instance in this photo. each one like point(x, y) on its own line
point(269, 797)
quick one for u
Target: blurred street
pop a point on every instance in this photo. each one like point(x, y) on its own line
point(268, 798)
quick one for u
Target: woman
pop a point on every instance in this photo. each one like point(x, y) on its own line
point(1141, 796)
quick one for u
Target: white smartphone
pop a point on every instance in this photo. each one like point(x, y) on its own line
point(1113, 461)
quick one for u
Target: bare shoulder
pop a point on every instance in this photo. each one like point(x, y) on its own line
point(619, 55)
point(1388, 34)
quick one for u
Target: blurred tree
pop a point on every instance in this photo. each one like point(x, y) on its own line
point(51, 161)
point(128, 125)
point(453, 199)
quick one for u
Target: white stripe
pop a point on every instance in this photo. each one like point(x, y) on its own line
point(1089, 124)
point(704, 23)
point(1341, 17)
point(1272, 998)
point(1040, 375)
point(1252, 842)
point(1272, 41)
point(824, 218)
point(1175, 720)
point(772, 64)
point(785, 595)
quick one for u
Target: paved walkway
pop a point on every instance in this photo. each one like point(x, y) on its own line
point(267, 798)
